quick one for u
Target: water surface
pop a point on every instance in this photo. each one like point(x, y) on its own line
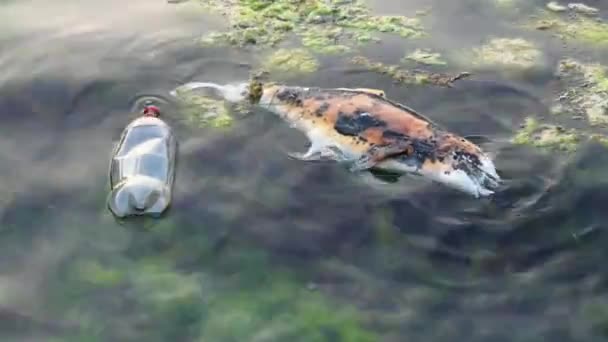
point(256, 243)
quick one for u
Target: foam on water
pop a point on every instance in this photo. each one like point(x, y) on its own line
point(236, 92)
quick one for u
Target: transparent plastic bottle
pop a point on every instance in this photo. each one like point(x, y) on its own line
point(142, 169)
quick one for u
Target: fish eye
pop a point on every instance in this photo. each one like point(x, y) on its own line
point(409, 150)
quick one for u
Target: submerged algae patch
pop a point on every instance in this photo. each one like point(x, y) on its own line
point(425, 56)
point(403, 26)
point(406, 76)
point(587, 30)
point(280, 310)
point(584, 95)
point(266, 23)
point(291, 61)
point(324, 40)
point(507, 52)
point(547, 136)
point(587, 91)
point(202, 111)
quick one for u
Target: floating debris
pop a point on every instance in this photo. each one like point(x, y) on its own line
point(507, 52)
point(424, 56)
point(505, 3)
point(401, 75)
point(583, 9)
point(547, 136)
point(296, 61)
point(556, 7)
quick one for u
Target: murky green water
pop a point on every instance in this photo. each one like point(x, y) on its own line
point(259, 247)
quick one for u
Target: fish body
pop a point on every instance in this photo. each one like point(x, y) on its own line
point(364, 128)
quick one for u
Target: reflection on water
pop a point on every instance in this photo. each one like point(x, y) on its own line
point(260, 247)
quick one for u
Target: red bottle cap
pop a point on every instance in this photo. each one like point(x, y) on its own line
point(151, 110)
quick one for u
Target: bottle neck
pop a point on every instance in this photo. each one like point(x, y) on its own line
point(151, 111)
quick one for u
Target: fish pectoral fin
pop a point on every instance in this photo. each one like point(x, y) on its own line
point(384, 176)
point(378, 153)
point(313, 154)
point(306, 156)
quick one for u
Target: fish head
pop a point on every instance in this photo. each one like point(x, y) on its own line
point(454, 162)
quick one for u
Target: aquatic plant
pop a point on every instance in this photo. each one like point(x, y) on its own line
point(233, 294)
point(507, 53)
point(174, 302)
point(402, 75)
point(587, 89)
point(295, 61)
point(424, 56)
point(267, 23)
point(324, 40)
point(546, 136)
point(204, 111)
point(93, 273)
point(583, 29)
point(584, 96)
point(280, 310)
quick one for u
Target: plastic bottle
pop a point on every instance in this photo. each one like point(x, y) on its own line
point(142, 169)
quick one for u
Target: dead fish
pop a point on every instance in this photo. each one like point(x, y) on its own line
point(367, 130)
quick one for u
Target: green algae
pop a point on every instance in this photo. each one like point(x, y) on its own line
point(93, 273)
point(425, 56)
point(267, 23)
point(280, 310)
point(590, 31)
point(293, 61)
point(173, 301)
point(512, 53)
point(324, 40)
point(546, 136)
point(403, 26)
point(203, 111)
point(239, 294)
point(406, 76)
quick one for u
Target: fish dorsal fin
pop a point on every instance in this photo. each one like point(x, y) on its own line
point(377, 92)
point(381, 95)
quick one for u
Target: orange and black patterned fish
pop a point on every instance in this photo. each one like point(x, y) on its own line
point(363, 127)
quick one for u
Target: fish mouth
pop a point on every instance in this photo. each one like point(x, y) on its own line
point(479, 180)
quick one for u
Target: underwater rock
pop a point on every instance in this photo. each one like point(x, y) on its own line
point(424, 56)
point(406, 76)
point(507, 52)
point(546, 136)
point(291, 61)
